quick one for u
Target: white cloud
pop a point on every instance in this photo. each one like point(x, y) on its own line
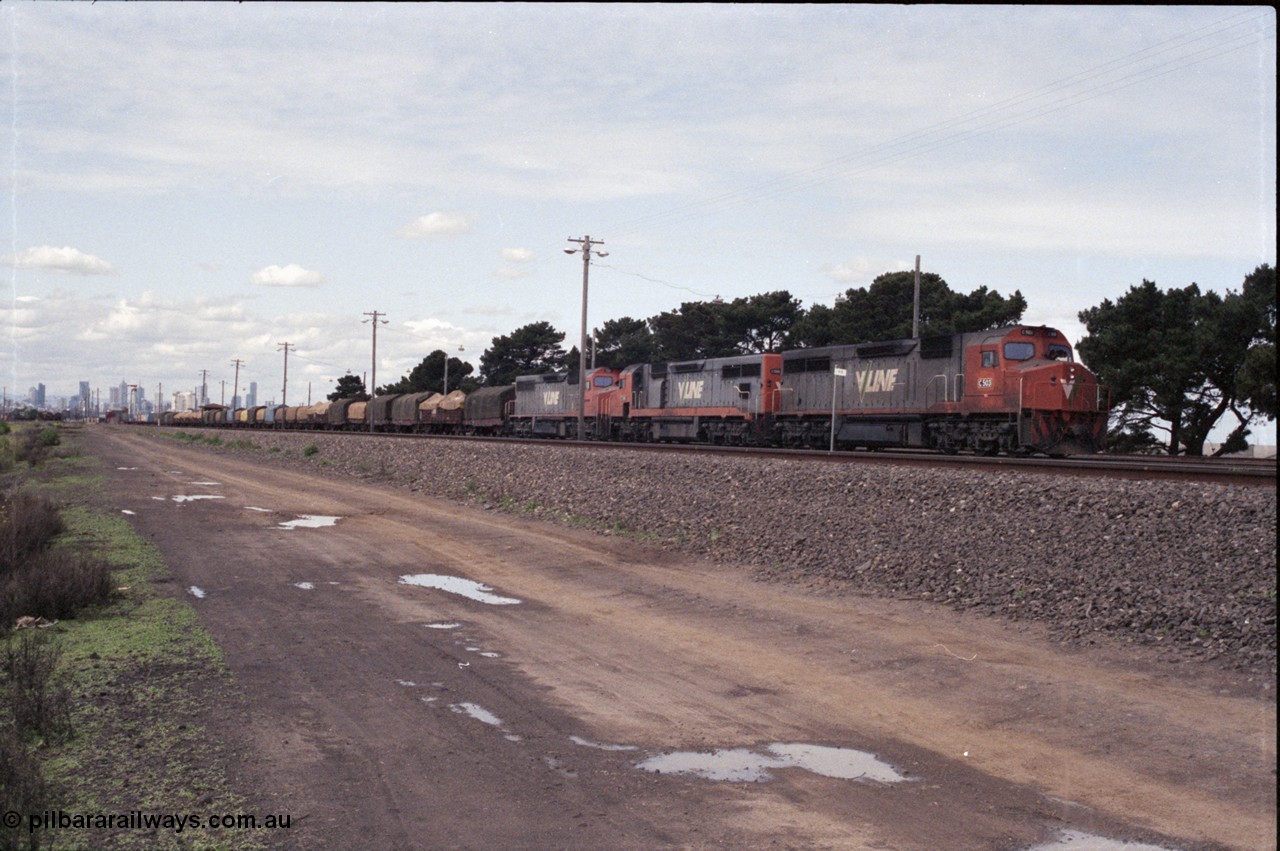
point(437, 226)
point(291, 275)
point(66, 259)
point(857, 271)
point(517, 255)
point(434, 329)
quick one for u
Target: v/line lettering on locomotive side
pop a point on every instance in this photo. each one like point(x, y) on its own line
point(551, 398)
point(876, 380)
point(689, 390)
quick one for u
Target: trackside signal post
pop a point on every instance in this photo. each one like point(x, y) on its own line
point(586, 242)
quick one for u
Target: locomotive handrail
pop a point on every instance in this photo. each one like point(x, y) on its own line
point(946, 389)
point(1021, 384)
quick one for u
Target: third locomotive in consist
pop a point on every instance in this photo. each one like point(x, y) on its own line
point(1016, 390)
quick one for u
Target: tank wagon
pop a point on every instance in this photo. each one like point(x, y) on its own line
point(1016, 389)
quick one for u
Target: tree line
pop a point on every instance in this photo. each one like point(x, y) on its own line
point(1177, 361)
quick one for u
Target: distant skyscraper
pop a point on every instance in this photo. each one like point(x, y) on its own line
point(252, 399)
point(85, 398)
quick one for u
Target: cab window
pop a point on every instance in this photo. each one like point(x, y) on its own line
point(1019, 351)
point(990, 359)
point(602, 381)
point(1058, 352)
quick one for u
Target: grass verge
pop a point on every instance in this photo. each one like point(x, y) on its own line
point(144, 680)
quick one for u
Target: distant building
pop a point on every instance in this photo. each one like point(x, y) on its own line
point(252, 399)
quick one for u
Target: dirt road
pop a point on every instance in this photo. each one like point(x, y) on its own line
point(389, 709)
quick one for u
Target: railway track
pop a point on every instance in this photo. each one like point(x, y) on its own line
point(1239, 471)
point(1246, 471)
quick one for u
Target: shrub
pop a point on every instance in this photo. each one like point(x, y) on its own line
point(38, 580)
point(34, 444)
point(310, 449)
point(22, 787)
point(28, 524)
point(34, 697)
point(55, 584)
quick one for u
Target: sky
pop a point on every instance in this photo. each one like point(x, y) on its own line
point(190, 185)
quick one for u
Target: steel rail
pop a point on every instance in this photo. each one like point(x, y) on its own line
point(1243, 471)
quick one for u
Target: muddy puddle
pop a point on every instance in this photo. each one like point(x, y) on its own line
point(310, 521)
point(1075, 840)
point(741, 765)
point(587, 743)
point(462, 587)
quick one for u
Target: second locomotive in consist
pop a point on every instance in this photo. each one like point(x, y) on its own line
point(1016, 389)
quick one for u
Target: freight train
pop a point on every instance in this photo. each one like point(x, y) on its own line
point(1016, 389)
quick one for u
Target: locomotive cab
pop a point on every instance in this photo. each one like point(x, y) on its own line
point(1061, 408)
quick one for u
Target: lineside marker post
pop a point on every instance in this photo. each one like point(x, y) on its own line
point(838, 372)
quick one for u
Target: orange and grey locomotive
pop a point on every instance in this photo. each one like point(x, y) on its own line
point(1017, 389)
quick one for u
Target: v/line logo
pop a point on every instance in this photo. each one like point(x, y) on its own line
point(876, 380)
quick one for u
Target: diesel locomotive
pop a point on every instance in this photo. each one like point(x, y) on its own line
point(1016, 389)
